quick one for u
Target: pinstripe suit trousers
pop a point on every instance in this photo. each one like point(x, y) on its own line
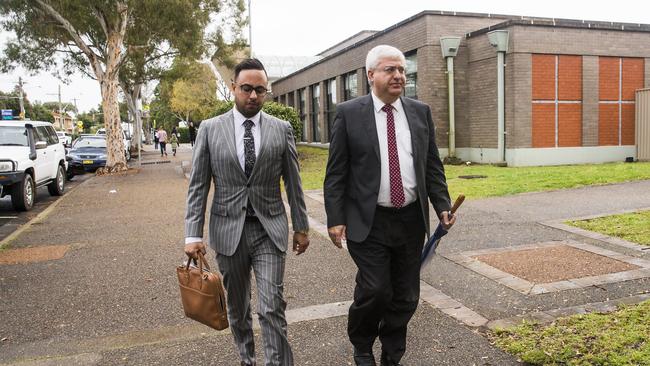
point(257, 251)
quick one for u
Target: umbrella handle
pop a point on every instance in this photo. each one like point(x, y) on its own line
point(457, 203)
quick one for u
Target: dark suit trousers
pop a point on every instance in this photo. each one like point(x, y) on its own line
point(388, 280)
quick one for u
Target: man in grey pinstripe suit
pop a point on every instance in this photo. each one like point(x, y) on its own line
point(245, 152)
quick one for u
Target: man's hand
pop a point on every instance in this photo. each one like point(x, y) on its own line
point(192, 249)
point(300, 242)
point(445, 220)
point(337, 235)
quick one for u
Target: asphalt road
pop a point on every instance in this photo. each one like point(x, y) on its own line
point(11, 219)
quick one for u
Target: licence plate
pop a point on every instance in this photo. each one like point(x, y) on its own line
point(88, 161)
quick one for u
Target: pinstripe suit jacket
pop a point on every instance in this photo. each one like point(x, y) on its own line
point(215, 159)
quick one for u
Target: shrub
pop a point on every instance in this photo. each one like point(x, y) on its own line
point(185, 135)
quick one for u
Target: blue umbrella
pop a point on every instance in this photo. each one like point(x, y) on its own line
point(431, 245)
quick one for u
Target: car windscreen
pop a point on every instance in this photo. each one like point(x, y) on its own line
point(13, 136)
point(82, 143)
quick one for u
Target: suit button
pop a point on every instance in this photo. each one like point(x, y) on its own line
point(243, 208)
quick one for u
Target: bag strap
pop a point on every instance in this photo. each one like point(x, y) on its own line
point(201, 262)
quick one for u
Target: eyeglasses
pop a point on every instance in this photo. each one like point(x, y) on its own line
point(392, 69)
point(259, 90)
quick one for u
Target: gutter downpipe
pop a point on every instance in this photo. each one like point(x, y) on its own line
point(499, 39)
point(449, 47)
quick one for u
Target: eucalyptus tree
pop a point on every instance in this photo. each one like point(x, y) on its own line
point(98, 37)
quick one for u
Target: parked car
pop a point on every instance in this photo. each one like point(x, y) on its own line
point(126, 140)
point(88, 153)
point(31, 156)
point(65, 138)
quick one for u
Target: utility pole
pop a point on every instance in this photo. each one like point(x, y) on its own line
point(250, 29)
point(60, 111)
point(22, 97)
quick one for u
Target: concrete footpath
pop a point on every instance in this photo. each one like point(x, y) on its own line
point(112, 298)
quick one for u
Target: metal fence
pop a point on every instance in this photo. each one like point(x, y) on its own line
point(642, 127)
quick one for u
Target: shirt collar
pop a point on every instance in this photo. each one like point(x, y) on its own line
point(378, 104)
point(240, 119)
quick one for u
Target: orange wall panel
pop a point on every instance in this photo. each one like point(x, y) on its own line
point(632, 77)
point(608, 124)
point(543, 125)
point(569, 125)
point(543, 77)
point(608, 78)
point(570, 78)
point(627, 125)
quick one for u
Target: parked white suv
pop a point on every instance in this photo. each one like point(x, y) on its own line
point(31, 156)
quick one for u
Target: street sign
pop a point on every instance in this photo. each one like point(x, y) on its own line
point(7, 114)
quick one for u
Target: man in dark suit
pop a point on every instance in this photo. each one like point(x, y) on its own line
point(383, 168)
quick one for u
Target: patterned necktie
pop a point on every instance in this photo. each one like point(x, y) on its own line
point(249, 158)
point(249, 148)
point(396, 188)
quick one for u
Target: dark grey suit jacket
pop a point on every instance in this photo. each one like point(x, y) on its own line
point(354, 167)
point(215, 160)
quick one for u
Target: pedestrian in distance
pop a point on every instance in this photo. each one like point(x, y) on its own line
point(376, 194)
point(246, 153)
point(162, 141)
point(175, 132)
point(192, 133)
point(174, 142)
point(155, 140)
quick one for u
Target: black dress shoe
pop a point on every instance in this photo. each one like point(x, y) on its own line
point(364, 358)
point(386, 360)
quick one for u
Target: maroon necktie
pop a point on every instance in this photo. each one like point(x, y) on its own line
point(396, 188)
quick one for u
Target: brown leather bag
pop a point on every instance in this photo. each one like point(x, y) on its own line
point(202, 294)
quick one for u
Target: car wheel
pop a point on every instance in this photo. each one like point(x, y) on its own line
point(23, 194)
point(57, 186)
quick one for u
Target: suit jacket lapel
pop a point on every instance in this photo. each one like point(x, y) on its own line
point(229, 135)
point(411, 117)
point(368, 120)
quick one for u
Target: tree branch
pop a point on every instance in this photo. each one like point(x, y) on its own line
point(92, 57)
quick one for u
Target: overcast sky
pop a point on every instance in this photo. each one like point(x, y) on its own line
point(305, 28)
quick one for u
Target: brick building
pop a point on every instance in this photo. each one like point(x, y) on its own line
point(568, 85)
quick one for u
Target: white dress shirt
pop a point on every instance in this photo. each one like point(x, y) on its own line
point(404, 151)
point(239, 134)
point(240, 130)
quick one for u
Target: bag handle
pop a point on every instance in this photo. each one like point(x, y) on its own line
point(201, 262)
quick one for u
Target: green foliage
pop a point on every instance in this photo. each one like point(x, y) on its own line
point(618, 338)
point(185, 134)
point(634, 227)
point(286, 113)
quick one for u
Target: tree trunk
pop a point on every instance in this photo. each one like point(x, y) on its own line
point(116, 158)
point(132, 96)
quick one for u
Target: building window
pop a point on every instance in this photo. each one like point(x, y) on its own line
point(365, 76)
point(350, 86)
point(557, 100)
point(315, 109)
point(289, 100)
point(302, 113)
point(410, 90)
point(619, 78)
point(331, 106)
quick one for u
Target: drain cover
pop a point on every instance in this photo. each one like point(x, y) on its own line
point(472, 176)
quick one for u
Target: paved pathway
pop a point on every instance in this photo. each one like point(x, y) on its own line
point(113, 298)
